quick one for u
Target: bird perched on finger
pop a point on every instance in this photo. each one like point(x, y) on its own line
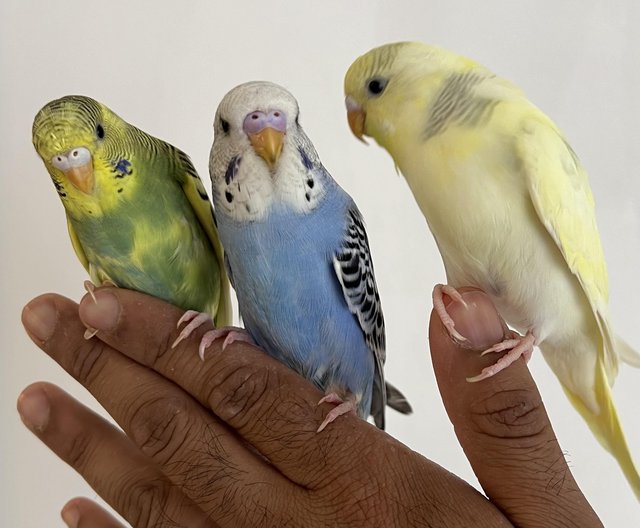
point(137, 212)
point(297, 253)
point(511, 210)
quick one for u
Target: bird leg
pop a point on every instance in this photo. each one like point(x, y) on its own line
point(344, 406)
point(520, 346)
point(197, 319)
point(438, 294)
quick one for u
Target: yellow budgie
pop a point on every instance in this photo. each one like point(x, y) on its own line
point(510, 207)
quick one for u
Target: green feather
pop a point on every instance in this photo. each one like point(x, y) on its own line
point(147, 224)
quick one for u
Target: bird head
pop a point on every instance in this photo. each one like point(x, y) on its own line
point(390, 87)
point(260, 151)
point(73, 135)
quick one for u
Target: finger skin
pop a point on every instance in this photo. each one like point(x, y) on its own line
point(375, 481)
point(84, 513)
point(130, 482)
point(188, 443)
point(243, 386)
point(502, 424)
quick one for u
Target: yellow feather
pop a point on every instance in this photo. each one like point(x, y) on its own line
point(510, 208)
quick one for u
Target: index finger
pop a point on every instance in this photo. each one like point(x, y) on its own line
point(267, 403)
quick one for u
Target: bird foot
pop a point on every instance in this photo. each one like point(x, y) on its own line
point(343, 407)
point(518, 346)
point(438, 294)
point(231, 334)
point(195, 320)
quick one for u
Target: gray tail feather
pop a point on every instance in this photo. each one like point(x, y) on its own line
point(396, 400)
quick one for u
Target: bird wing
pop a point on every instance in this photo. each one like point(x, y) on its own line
point(77, 246)
point(197, 195)
point(559, 188)
point(354, 269)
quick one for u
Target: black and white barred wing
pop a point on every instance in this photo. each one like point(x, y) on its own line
point(354, 268)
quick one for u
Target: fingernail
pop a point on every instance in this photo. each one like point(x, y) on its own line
point(34, 409)
point(71, 516)
point(102, 314)
point(479, 321)
point(40, 317)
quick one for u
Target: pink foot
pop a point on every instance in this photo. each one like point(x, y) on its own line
point(438, 303)
point(343, 407)
point(195, 320)
point(520, 346)
point(232, 333)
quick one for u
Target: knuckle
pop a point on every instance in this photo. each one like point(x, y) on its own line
point(237, 390)
point(79, 451)
point(145, 502)
point(161, 426)
point(515, 414)
point(87, 361)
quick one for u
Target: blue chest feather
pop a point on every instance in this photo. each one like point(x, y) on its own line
point(290, 298)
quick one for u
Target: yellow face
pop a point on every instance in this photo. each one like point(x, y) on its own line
point(79, 141)
point(70, 135)
point(392, 85)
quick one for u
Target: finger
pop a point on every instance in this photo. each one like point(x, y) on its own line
point(193, 448)
point(130, 482)
point(268, 404)
point(501, 422)
point(84, 513)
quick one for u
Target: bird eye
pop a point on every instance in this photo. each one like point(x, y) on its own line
point(376, 86)
point(100, 131)
point(225, 125)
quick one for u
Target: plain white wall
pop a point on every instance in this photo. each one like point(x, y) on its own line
point(165, 65)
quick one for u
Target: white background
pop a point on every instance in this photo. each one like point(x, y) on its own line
point(165, 65)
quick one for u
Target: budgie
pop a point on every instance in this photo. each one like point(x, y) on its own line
point(137, 212)
point(297, 253)
point(511, 210)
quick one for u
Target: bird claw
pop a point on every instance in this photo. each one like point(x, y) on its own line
point(231, 335)
point(343, 407)
point(438, 304)
point(521, 346)
point(195, 320)
point(90, 287)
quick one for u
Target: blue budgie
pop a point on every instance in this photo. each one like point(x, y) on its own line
point(297, 254)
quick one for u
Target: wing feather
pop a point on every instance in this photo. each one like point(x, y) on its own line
point(561, 195)
point(199, 200)
point(354, 269)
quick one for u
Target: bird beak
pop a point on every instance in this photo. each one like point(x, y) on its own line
point(82, 177)
point(356, 117)
point(268, 144)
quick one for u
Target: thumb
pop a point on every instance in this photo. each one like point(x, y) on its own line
point(501, 421)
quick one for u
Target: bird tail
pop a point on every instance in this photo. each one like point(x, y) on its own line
point(627, 354)
point(396, 400)
point(606, 425)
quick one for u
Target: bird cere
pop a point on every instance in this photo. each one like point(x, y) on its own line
point(293, 243)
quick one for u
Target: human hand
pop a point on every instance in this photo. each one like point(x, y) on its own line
point(231, 441)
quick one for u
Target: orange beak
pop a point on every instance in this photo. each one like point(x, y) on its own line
point(82, 177)
point(356, 117)
point(268, 144)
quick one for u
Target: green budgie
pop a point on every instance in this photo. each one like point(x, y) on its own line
point(137, 212)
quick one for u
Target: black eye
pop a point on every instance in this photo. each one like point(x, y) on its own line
point(376, 86)
point(100, 131)
point(225, 125)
